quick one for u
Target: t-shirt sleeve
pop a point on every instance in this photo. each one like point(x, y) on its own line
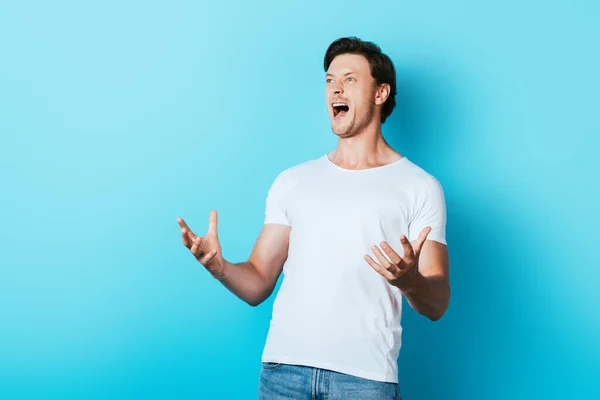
point(275, 210)
point(430, 211)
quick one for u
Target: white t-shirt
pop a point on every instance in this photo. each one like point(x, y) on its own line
point(333, 310)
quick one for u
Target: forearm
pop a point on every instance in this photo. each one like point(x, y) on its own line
point(430, 296)
point(243, 280)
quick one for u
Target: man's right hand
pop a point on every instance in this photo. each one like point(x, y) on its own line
point(207, 249)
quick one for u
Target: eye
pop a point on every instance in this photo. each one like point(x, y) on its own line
point(328, 80)
point(350, 79)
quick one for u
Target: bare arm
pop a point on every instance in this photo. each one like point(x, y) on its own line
point(431, 294)
point(252, 281)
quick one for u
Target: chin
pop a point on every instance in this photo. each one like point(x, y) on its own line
point(338, 130)
point(341, 129)
point(342, 133)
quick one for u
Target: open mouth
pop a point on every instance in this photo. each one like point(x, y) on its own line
point(339, 110)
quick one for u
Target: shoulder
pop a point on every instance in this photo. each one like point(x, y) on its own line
point(296, 172)
point(420, 179)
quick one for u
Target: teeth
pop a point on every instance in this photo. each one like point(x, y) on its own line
point(339, 104)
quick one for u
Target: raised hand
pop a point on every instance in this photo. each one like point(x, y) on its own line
point(207, 249)
point(401, 272)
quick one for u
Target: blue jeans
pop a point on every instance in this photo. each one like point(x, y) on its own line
point(298, 382)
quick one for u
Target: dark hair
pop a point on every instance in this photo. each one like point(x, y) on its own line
point(382, 68)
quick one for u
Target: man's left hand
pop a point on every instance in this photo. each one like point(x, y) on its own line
point(402, 272)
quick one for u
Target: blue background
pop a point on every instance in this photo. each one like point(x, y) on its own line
point(118, 117)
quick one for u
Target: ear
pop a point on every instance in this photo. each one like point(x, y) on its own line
point(383, 92)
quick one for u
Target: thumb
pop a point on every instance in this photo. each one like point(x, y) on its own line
point(421, 239)
point(212, 222)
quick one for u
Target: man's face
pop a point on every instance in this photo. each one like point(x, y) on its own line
point(350, 94)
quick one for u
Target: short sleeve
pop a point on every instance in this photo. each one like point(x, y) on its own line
point(430, 210)
point(275, 210)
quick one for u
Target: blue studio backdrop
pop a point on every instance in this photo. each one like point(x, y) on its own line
point(117, 117)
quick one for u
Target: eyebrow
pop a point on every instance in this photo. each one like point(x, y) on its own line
point(347, 73)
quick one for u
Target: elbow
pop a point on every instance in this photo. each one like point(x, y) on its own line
point(436, 316)
point(255, 302)
point(438, 312)
point(259, 299)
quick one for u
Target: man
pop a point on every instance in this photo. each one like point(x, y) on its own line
point(353, 231)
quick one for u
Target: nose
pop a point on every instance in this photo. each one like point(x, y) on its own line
point(337, 89)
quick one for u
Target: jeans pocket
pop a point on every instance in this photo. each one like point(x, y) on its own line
point(271, 365)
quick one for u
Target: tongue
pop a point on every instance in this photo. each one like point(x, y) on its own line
point(340, 114)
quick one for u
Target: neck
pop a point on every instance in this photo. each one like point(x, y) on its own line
point(366, 149)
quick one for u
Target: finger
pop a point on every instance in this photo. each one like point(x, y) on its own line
point(382, 271)
point(394, 257)
point(196, 247)
point(188, 237)
point(384, 261)
point(182, 223)
point(185, 237)
point(205, 259)
point(191, 236)
point(409, 253)
point(421, 239)
point(186, 231)
point(212, 222)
